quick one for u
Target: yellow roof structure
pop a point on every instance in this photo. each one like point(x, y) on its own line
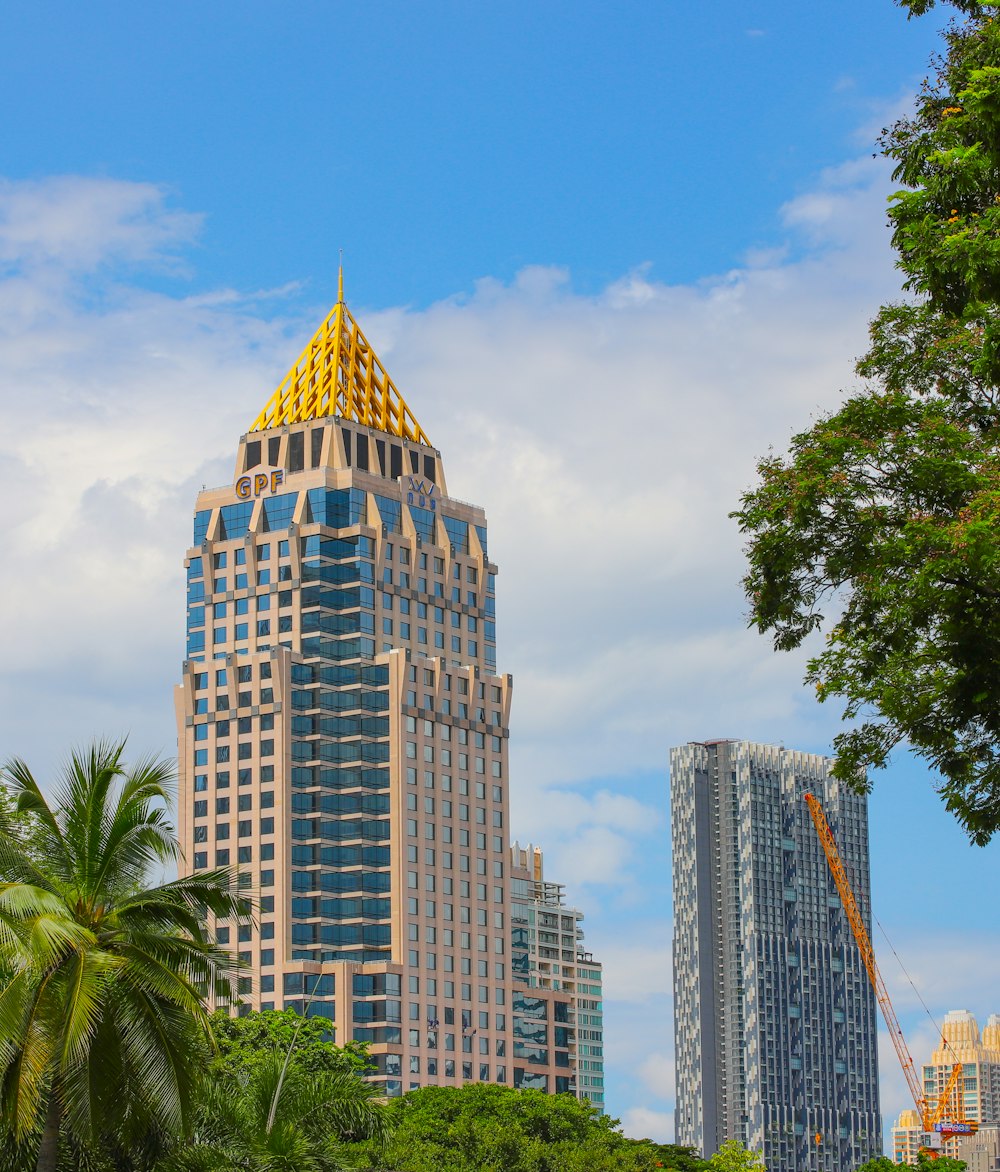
point(338, 373)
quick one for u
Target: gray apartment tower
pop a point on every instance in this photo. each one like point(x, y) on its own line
point(774, 1019)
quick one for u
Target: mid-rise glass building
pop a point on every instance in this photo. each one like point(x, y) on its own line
point(774, 1019)
point(558, 987)
point(343, 729)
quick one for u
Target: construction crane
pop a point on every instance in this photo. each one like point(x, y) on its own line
point(931, 1112)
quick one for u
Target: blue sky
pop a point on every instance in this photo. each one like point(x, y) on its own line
point(609, 255)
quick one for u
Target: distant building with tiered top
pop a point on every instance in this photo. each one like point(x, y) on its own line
point(979, 1087)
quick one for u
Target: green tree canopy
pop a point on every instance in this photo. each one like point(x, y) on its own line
point(274, 1115)
point(734, 1156)
point(243, 1043)
point(679, 1157)
point(880, 528)
point(879, 1164)
point(487, 1128)
point(102, 1017)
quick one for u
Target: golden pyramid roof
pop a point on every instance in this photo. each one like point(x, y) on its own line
point(338, 373)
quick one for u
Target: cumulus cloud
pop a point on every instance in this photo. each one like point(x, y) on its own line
point(644, 1123)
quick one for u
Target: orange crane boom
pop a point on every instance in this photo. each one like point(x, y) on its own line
point(929, 1117)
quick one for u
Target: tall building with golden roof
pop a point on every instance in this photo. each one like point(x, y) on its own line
point(342, 733)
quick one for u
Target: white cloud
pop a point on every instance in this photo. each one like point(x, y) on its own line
point(74, 223)
point(645, 1123)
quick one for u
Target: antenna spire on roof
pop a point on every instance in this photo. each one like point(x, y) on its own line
point(340, 280)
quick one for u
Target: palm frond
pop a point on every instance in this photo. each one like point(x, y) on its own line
point(30, 799)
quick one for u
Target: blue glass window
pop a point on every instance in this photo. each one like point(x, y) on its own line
point(278, 510)
point(195, 643)
point(236, 519)
point(391, 512)
point(201, 520)
point(481, 531)
point(196, 617)
point(338, 508)
point(458, 533)
point(195, 569)
point(423, 522)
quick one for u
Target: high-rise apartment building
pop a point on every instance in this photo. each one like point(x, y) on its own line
point(977, 1096)
point(774, 1018)
point(343, 731)
point(558, 999)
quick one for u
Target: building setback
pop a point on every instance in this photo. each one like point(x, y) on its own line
point(774, 1019)
point(343, 730)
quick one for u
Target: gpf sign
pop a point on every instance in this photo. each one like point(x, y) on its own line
point(259, 483)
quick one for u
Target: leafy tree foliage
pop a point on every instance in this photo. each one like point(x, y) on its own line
point(881, 526)
point(679, 1157)
point(487, 1128)
point(734, 1156)
point(274, 1114)
point(879, 1164)
point(102, 1019)
point(923, 1164)
point(243, 1043)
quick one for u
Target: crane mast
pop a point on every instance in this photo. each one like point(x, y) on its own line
point(931, 1116)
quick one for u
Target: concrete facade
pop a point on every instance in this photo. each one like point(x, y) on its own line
point(981, 1152)
point(774, 1019)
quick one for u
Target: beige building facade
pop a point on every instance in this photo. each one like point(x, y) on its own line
point(977, 1097)
point(981, 1152)
point(342, 729)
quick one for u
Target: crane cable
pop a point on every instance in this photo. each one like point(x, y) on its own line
point(938, 1030)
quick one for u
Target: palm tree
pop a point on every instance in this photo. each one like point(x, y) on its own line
point(276, 1117)
point(103, 978)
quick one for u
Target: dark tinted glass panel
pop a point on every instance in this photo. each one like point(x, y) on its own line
point(296, 451)
point(273, 448)
point(395, 461)
point(347, 445)
point(362, 453)
point(253, 454)
point(380, 448)
point(430, 469)
point(317, 446)
point(414, 461)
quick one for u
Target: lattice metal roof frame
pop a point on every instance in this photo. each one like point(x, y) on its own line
point(338, 374)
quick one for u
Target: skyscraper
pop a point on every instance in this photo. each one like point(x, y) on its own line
point(342, 729)
point(774, 1018)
